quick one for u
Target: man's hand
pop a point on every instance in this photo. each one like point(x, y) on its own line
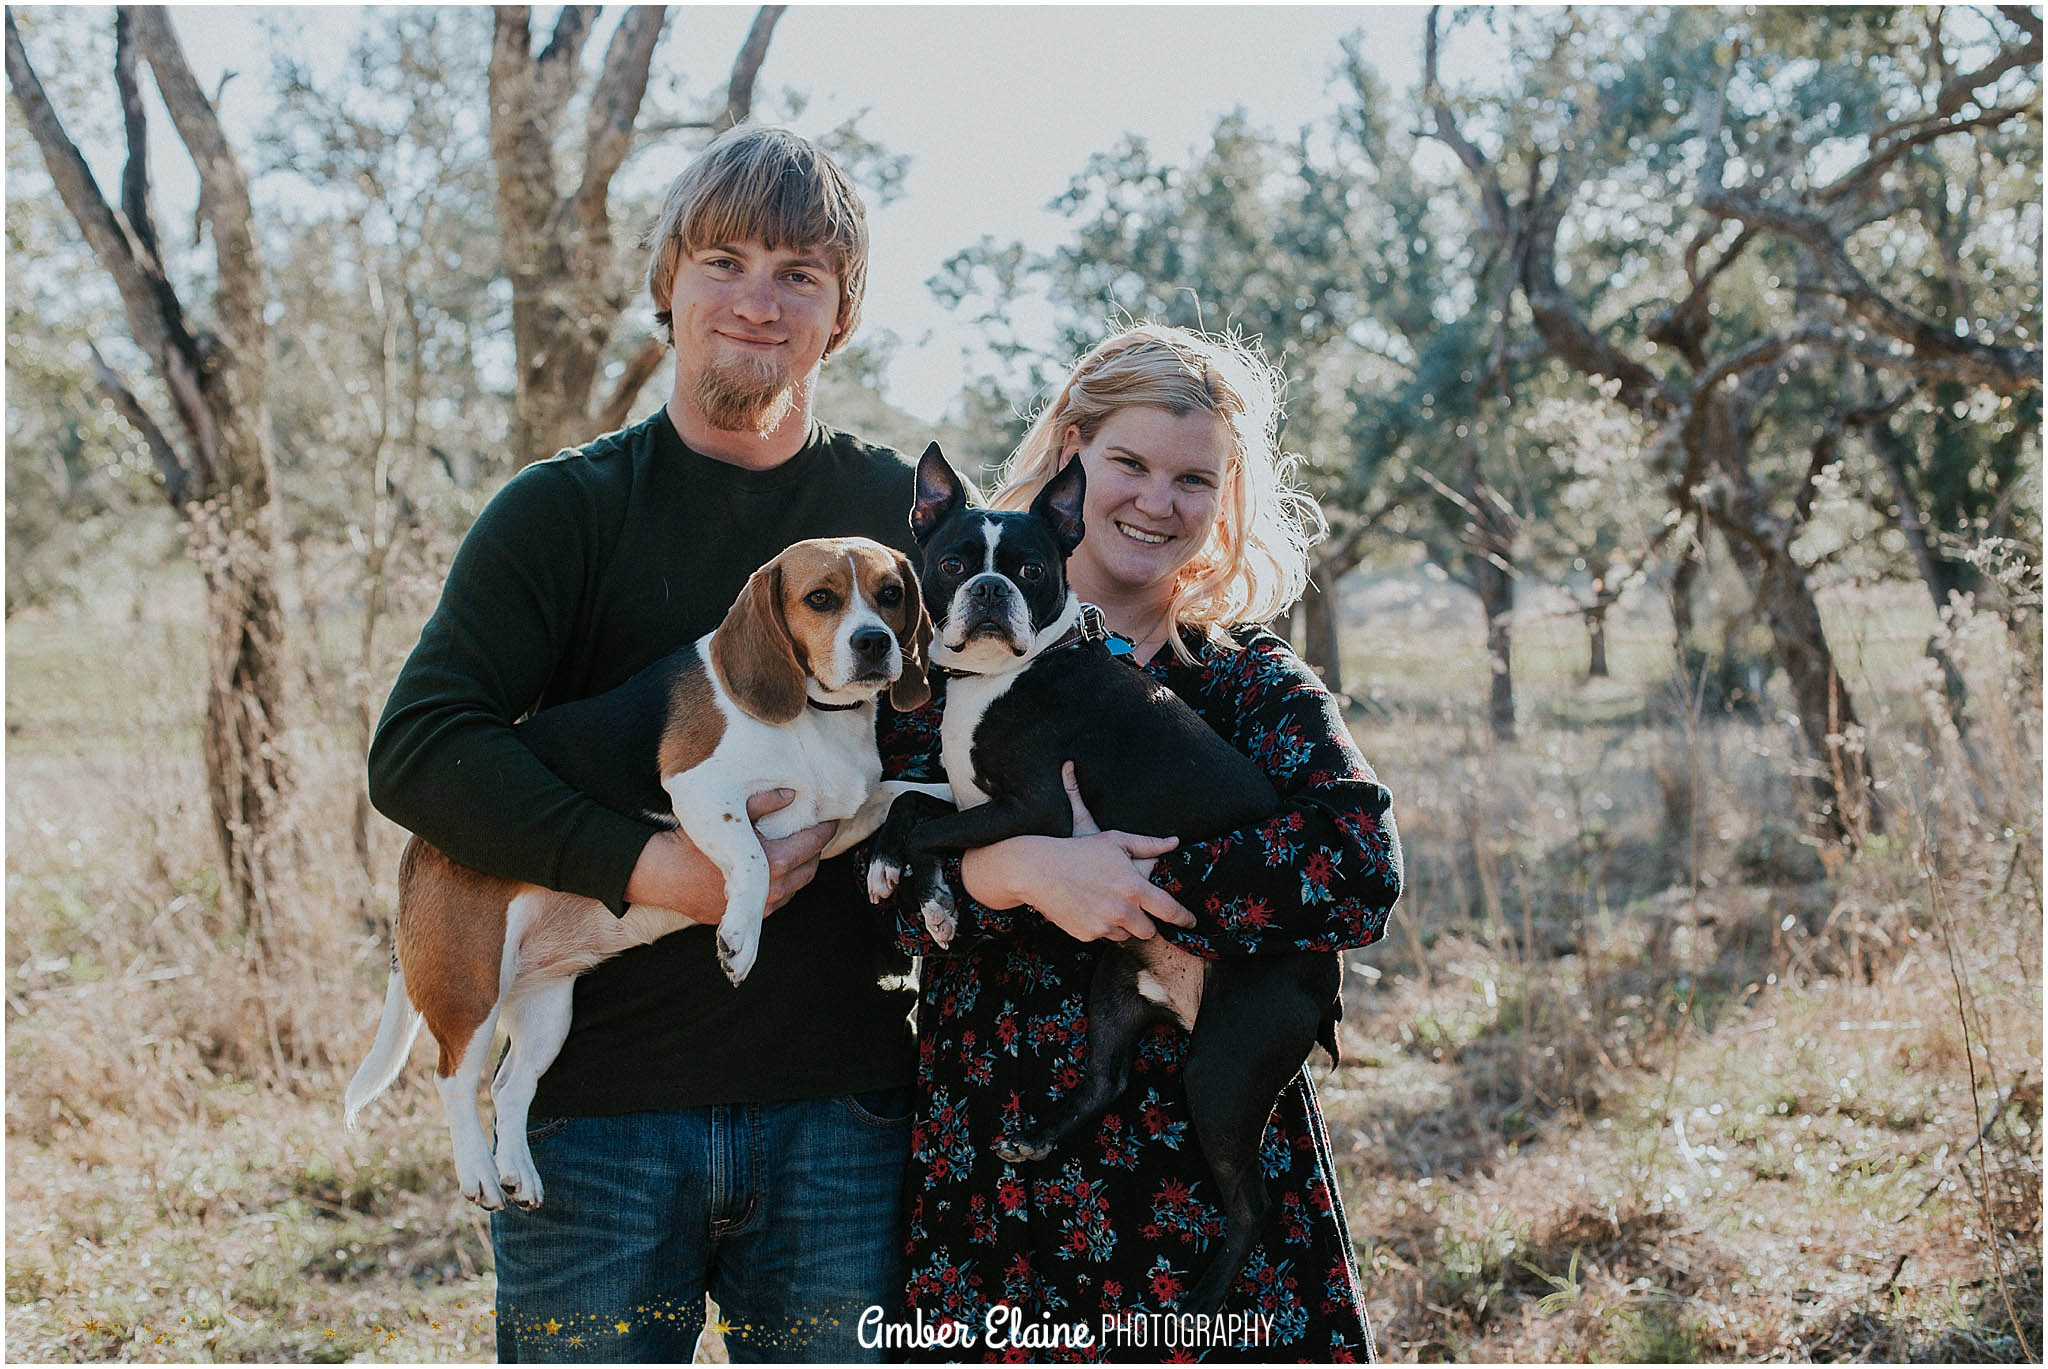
point(1093, 885)
point(792, 860)
point(672, 873)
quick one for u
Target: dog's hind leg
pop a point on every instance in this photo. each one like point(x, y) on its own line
point(1117, 1016)
point(1257, 1025)
point(456, 1082)
point(537, 1016)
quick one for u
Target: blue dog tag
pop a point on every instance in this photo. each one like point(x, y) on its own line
point(1120, 645)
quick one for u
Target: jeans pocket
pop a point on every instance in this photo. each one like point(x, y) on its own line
point(547, 1128)
point(879, 1107)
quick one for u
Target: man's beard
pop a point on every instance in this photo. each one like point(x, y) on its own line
point(744, 395)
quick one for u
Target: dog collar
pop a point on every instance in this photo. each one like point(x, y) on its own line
point(1089, 628)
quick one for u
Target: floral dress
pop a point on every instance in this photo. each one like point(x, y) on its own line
point(1120, 1221)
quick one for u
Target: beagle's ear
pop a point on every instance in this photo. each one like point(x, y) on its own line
point(914, 634)
point(754, 655)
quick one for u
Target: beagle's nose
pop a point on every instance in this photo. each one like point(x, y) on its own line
point(872, 642)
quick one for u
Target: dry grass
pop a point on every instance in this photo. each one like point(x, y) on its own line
point(1644, 1075)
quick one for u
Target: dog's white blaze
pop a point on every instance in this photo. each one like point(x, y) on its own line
point(860, 613)
point(992, 533)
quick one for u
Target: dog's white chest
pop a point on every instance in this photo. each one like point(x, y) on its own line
point(831, 761)
point(967, 698)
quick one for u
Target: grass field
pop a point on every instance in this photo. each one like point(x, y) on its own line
point(1639, 1072)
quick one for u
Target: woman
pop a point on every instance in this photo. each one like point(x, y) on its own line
point(1193, 537)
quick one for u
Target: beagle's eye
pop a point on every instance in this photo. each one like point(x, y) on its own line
point(952, 565)
point(1033, 571)
point(890, 596)
point(822, 599)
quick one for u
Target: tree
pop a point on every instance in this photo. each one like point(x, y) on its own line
point(1738, 362)
point(219, 477)
point(569, 281)
point(388, 289)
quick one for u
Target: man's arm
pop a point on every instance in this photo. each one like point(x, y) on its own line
point(445, 762)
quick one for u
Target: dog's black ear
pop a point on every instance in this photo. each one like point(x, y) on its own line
point(1059, 504)
point(940, 493)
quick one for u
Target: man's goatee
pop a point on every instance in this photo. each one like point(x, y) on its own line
point(744, 403)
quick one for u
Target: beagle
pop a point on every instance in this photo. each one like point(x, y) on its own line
point(781, 694)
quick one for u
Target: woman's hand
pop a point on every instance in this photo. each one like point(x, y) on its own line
point(672, 873)
point(1092, 885)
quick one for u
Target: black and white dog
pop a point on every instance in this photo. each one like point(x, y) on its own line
point(1032, 687)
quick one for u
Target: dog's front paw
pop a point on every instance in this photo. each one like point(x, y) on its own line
point(883, 877)
point(737, 948)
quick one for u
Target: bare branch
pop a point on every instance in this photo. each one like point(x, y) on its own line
point(1869, 351)
point(104, 233)
point(614, 104)
point(1493, 200)
point(176, 479)
point(1684, 325)
point(2006, 369)
point(746, 66)
point(572, 31)
point(1866, 173)
point(1575, 341)
point(135, 172)
point(151, 306)
point(618, 405)
point(223, 187)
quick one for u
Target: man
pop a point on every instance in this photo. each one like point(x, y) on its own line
point(691, 1136)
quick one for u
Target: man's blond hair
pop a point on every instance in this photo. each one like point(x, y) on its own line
point(766, 185)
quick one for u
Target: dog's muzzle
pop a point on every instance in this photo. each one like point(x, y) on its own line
point(988, 608)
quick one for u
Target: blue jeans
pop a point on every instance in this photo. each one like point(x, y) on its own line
point(789, 1214)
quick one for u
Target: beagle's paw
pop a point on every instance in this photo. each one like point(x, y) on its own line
point(482, 1189)
point(518, 1180)
point(737, 948)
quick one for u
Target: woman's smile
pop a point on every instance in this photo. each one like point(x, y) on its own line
point(1155, 483)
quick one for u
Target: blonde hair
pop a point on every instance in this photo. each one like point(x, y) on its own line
point(1255, 562)
point(767, 185)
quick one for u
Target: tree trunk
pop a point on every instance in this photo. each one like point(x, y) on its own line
point(247, 779)
point(1596, 638)
point(1491, 541)
point(220, 479)
point(1497, 600)
point(1841, 794)
point(1685, 576)
point(1940, 575)
point(1320, 645)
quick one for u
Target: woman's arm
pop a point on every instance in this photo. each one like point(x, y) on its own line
point(1323, 873)
point(1091, 885)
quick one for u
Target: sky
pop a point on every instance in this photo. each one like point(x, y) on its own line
point(997, 107)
